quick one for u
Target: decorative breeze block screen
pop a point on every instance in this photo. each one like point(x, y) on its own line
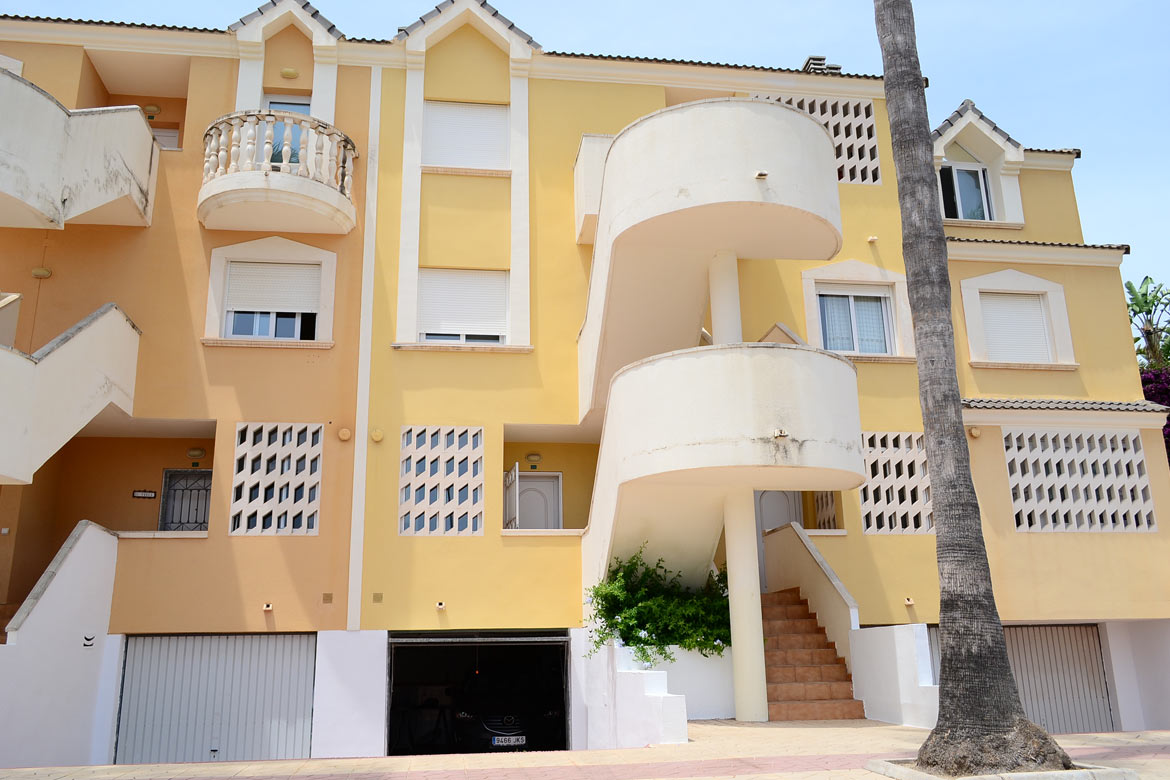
point(441, 481)
point(1078, 480)
point(851, 124)
point(826, 509)
point(896, 496)
point(276, 478)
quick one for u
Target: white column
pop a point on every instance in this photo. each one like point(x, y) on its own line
point(250, 77)
point(726, 325)
point(743, 586)
point(323, 103)
point(411, 208)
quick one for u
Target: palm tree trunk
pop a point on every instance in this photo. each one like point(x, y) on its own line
point(981, 725)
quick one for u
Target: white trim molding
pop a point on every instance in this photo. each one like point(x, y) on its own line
point(1064, 418)
point(1011, 281)
point(1038, 254)
point(406, 328)
point(846, 273)
point(11, 64)
point(994, 150)
point(273, 249)
point(250, 38)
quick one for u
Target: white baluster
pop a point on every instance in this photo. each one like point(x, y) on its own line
point(235, 152)
point(208, 166)
point(269, 125)
point(319, 159)
point(286, 146)
point(333, 149)
point(303, 153)
point(221, 148)
point(250, 144)
point(347, 171)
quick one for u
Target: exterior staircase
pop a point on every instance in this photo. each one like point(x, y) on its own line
point(807, 680)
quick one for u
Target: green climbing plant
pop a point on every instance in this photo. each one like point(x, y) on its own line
point(648, 609)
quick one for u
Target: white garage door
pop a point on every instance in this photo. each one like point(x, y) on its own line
point(216, 698)
point(1061, 677)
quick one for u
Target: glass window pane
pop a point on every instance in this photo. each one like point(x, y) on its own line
point(286, 325)
point(971, 194)
point(243, 323)
point(836, 328)
point(947, 180)
point(473, 338)
point(440, 337)
point(871, 324)
point(263, 329)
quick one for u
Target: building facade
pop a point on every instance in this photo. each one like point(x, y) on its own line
point(336, 369)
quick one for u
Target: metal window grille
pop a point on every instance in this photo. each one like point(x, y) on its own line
point(276, 478)
point(826, 509)
point(441, 481)
point(1078, 480)
point(896, 496)
point(185, 500)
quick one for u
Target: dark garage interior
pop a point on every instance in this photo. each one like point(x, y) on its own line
point(478, 694)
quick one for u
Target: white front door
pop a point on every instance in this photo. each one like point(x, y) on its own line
point(780, 507)
point(540, 500)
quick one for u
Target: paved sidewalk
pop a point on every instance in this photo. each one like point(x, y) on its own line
point(717, 749)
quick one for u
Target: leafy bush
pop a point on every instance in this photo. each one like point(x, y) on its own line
point(1156, 387)
point(648, 609)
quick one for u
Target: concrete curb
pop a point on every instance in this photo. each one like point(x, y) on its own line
point(905, 771)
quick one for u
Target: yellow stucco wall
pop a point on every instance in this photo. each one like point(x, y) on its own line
point(91, 92)
point(54, 68)
point(489, 581)
point(577, 464)
point(465, 222)
point(289, 48)
point(466, 67)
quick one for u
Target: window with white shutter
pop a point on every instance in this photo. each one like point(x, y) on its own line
point(465, 135)
point(462, 306)
point(272, 300)
point(1015, 327)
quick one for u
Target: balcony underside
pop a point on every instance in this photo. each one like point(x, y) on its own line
point(274, 201)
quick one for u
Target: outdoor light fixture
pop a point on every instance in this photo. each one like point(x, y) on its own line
point(761, 174)
point(289, 73)
point(42, 273)
point(195, 453)
point(151, 109)
point(533, 457)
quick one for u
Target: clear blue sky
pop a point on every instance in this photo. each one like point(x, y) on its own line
point(1053, 73)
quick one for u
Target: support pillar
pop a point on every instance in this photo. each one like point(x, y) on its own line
point(743, 586)
point(723, 277)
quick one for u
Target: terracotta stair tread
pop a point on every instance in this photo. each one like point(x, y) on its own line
point(799, 673)
point(790, 596)
point(808, 625)
point(834, 709)
point(811, 691)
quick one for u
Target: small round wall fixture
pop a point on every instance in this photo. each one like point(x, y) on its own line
point(345, 434)
point(974, 432)
point(289, 73)
point(534, 457)
point(42, 273)
point(377, 435)
point(195, 453)
point(151, 108)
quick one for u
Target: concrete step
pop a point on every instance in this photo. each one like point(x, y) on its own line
point(806, 625)
point(810, 691)
point(801, 656)
point(836, 709)
point(796, 673)
point(786, 612)
point(814, 641)
point(790, 596)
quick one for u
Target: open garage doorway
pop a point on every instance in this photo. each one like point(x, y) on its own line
point(478, 693)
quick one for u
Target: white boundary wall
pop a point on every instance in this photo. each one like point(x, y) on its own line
point(349, 694)
point(892, 674)
point(60, 671)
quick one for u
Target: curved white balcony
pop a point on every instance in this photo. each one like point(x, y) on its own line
point(685, 428)
point(95, 166)
point(276, 171)
point(749, 177)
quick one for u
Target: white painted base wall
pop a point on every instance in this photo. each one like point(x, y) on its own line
point(58, 691)
point(617, 704)
point(1137, 664)
point(892, 674)
point(705, 683)
point(349, 694)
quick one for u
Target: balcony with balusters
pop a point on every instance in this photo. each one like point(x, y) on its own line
point(277, 171)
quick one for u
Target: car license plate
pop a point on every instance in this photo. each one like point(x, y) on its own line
point(509, 741)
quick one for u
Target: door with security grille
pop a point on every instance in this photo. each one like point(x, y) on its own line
point(185, 500)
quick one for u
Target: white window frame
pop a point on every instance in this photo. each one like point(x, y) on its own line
point(273, 249)
point(984, 190)
point(270, 332)
point(852, 292)
point(855, 275)
point(428, 337)
point(1011, 281)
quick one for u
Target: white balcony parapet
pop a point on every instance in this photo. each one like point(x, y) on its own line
point(684, 429)
point(94, 166)
point(749, 178)
point(279, 171)
point(47, 397)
